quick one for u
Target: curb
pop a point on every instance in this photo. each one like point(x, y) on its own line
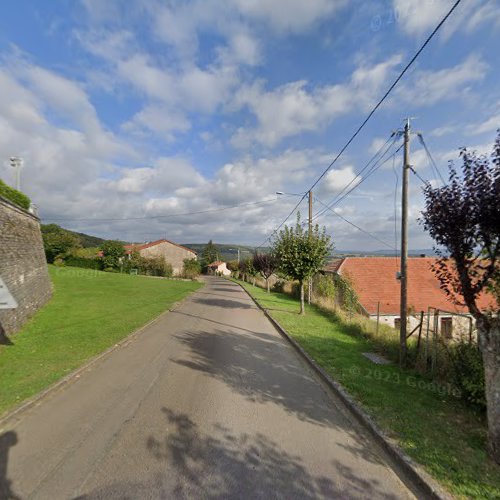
point(428, 487)
point(75, 374)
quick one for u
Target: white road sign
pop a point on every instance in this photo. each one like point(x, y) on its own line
point(7, 301)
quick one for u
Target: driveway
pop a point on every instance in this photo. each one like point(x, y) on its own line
point(207, 402)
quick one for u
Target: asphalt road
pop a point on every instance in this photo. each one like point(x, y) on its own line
point(207, 402)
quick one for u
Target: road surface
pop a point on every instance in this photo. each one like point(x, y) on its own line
point(207, 402)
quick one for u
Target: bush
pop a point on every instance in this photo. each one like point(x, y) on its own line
point(87, 263)
point(279, 286)
point(324, 286)
point(191, 268)
point(58, 242)
point(14, 195)
point(467, 373)
point(148, 266)
point(112, 254)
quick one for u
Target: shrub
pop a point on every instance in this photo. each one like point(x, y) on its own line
point(324, 286)
point(191, 268)
point(87, 263)
point(467, 373)
point(112, 254)
point(14, 196)
point(57, 242)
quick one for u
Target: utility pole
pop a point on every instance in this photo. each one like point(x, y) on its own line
point(309, 288)
point(238, 255)
point(404, 247)
point(16, 162)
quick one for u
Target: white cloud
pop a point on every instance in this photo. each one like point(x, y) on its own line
point(289, 15)
point(294, 108)
point(420, 17)
point(337, 179)
point(429, 87)
point(490, 124)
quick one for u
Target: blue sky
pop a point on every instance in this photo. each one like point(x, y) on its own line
point(142, 108)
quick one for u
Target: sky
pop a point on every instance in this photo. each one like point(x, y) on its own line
point(148, 119)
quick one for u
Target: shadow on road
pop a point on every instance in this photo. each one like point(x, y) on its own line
point(7, 441)
point(262, 368)
point(225, 303)
point(225, 465)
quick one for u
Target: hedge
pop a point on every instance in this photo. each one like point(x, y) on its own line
point(75, 261)
point(14, 196)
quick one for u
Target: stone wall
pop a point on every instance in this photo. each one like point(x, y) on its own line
point(23, 267)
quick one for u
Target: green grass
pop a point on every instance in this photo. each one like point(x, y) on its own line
point(430, 424)
point(89, 312)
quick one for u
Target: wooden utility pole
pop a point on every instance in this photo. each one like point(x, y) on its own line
point(309, 289)
point(404, 247)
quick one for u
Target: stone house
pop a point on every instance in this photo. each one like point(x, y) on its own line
point(219, 268)
point(374, 280)
point(173, 253)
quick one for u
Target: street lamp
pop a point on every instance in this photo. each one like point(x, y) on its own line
point(16, 162)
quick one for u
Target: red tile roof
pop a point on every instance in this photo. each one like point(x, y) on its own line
point(131, 248)
point(374, 280)
point(217, 263)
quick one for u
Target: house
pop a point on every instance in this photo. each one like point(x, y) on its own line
point(219, 268)
point(173, 253)
point(374, 280)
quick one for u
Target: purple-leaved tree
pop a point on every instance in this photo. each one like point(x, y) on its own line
point(463, 218)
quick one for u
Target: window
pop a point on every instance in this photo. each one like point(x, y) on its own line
point(447, 328)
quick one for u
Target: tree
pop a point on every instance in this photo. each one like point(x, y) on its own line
point(191, 268)
point(301, 255)
point(233, 265)
point(266, 264)
point(463, 218)
point(58, 242)
point(112, 254)
point(210, 254)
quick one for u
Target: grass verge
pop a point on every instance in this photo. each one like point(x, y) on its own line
point(430, 424)
point(89, 312)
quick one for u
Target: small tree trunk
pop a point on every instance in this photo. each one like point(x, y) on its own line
point(489, 342)
point(267, 284)
point(302, 309)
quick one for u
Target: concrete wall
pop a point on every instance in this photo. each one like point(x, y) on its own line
point(460, 324)
point(172, 254)
point(23, 267)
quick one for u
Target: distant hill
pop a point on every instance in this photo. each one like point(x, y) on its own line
point(429, 252)
point(86, 240)
point(227, 252)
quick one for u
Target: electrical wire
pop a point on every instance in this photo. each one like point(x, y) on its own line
point(260, 202)
point(358, 175)
point(372, 171)
point(353, 225)
point(384, 97)
point(430, 158)
point(269, 238)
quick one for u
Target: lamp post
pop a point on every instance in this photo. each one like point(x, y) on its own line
point(16, 162)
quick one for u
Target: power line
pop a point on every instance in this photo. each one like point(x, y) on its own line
point(168, 215)
point(281, 225)
point(384, 97)
point(430, 158)
point(367, 165)
point(372, 171)
point(354, 225)
point(419, 176)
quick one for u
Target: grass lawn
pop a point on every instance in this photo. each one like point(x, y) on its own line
point(430, 423)
point(89, 312)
